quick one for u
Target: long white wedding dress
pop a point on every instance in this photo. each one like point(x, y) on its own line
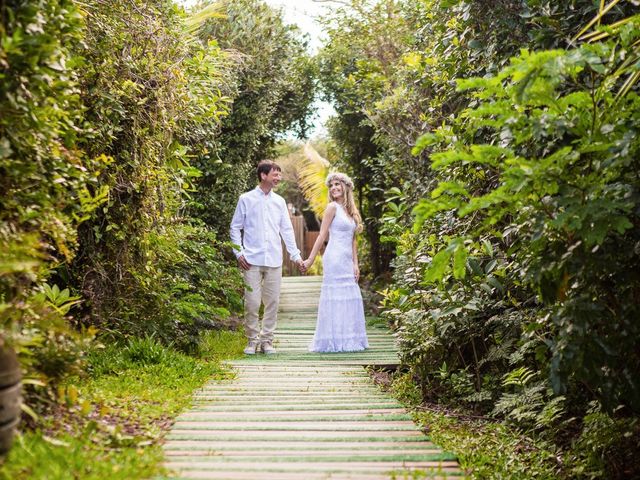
point(340, 326)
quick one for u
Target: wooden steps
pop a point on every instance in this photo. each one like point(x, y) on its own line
point(297, 415)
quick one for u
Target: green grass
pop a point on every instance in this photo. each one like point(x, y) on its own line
point(376, 321)
point(487, 450)
point(490, 450)
point(68, 457)
point(109, 423)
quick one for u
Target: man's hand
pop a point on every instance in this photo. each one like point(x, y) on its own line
point(242, 263)
point(301, 266)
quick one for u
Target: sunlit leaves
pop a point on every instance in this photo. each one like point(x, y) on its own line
point(313, 173)
point(563, 180)
point(438, 266)
point(452, 259)
point(460, 262)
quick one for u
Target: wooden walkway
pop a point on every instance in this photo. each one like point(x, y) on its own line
point(297, 415)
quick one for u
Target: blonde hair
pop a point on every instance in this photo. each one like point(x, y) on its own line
point(348, 202)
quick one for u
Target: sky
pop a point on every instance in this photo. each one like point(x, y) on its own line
point(304, 14)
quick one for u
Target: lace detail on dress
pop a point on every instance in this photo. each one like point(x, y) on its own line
point(340, 326)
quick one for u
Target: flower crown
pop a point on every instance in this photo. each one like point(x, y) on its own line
point(341, 177)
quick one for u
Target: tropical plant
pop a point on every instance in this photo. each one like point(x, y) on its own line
point(312, 176)
point(488, 282)
point(102, 105)
point(564, 198)
point(365, 42)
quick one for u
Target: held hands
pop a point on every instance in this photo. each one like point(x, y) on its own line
point(244, 265)
point(307, 264)
point(301, 266)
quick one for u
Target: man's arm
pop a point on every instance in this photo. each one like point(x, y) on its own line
point(288, 235)
point(237, 224)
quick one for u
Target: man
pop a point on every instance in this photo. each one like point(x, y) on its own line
point(263, 217)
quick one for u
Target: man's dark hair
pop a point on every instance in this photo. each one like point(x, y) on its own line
point(265, 166)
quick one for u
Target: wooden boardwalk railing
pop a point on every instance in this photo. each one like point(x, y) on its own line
point(297, 415)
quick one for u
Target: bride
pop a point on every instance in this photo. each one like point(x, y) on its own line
point(340, 326)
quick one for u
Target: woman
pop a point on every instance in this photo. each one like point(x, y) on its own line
point(340, 326)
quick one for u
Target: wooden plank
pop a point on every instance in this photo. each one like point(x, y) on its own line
point(295, 425)
point(290, 415)
point(257, 447)
point(297, 415)
point(239, 475)
point(259, 464)
point(371, 454)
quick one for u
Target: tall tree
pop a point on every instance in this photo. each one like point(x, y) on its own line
point(365, 42)
point(274, 83)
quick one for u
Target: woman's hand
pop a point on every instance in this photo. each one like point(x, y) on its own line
point(356, 272)
point(307, 263)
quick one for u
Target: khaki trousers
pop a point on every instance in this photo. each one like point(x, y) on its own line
point(263, 285)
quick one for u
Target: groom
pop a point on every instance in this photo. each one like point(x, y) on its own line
point(262, 216)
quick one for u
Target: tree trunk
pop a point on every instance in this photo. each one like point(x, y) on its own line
point(10, 397)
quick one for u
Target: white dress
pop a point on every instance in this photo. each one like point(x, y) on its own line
point(340, 326)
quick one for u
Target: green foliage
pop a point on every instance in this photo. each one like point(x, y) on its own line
point(49, 184)
point(566, 189)
point(606, 445)
point(144, 351)
point(507, 158)
point(491, 450)
point(364, 40)
point(272, 87)
point(115, 416)
point(151, 99)
point(221, 345)
point(149, 380)
point(102, 107)
point(186, 287)
point(56, 356)
point(39, 128)
point(389, 67)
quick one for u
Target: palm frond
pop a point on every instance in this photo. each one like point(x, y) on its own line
point(628, 84)
point(194, 22)
point(596, 20)
point(628, 66)
point(312, 173)
point(596, 35)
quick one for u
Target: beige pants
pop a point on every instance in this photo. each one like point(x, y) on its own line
point(263, 285)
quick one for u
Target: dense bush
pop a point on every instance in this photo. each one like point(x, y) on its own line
point(519, 275)
point(148, 95)
point(104, 108)
point(364, 42)
point(389, 68)
point(562, 201)
point(48, 182)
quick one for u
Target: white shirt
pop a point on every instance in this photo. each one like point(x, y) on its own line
point(263, 218)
